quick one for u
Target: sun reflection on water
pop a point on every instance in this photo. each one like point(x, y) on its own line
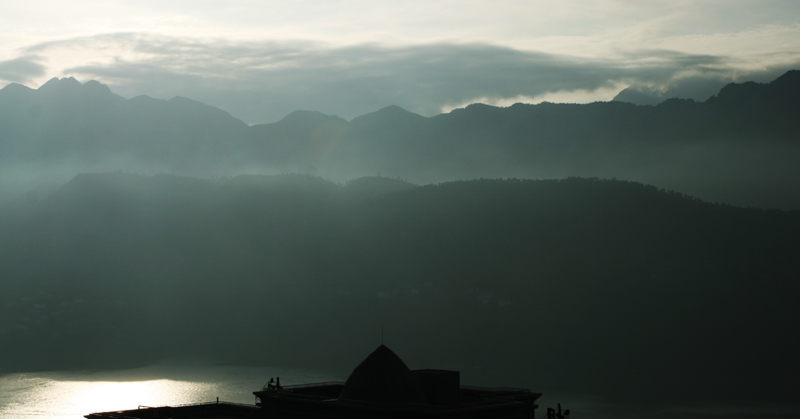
point(72, 399)
point(71, 395)
point(107, 396)
point(45, 397)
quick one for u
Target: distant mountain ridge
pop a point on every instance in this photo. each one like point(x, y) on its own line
point(67, 119)
point(739, 146)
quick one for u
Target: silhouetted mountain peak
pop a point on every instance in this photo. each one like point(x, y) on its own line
point(65, 81)
point(97, 87)
point(15, 87)
point(639, 96)
point(394, 109)
point(697, 89)
point(789, 79)
point(786, 89)
point(63, 84)
point(141, 99)
point(311, 118)
point(202, 110)
point(783, 91)
point(481, 106)
point(745, 91)
point(68, 88)
point(182, 99)
point(389, 115)
point(478, 109)
point(14, 91)
point(674, 102)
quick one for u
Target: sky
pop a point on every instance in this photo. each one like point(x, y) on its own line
point(261, 60)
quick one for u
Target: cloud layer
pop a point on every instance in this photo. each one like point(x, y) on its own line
point(264, 81)
point(262, 60)
point(21, 69)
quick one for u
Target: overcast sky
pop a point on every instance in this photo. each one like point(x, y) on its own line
point(260, 60)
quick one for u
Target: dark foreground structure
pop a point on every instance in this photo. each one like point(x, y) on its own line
point(381, 386)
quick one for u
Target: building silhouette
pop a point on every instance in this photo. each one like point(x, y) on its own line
point(381, 386)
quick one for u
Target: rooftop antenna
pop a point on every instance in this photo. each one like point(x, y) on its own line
point(381, 334)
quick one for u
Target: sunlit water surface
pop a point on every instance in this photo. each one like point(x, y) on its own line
point(72, 395)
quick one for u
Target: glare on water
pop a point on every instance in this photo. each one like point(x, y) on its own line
point(73, 395)
point(42, 396)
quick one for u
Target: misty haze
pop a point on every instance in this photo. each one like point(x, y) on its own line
point(634, 252)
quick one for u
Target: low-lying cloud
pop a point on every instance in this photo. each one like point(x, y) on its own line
point(22, 69)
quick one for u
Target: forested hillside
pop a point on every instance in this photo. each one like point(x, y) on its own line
point(581, 284)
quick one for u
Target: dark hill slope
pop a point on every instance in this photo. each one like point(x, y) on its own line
point(302, 140)
point(579, 284)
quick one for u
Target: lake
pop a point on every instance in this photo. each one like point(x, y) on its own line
point(73, 394)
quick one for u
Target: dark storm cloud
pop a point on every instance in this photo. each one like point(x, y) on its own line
point(22, 69)
point(262, 82)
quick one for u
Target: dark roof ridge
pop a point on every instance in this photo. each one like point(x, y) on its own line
point(382, 377)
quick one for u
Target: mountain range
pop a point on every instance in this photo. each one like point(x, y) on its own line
point(739, 147)
point(610, 287)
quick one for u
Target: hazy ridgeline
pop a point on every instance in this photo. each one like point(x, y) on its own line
point(601, 286)
point(739, 147)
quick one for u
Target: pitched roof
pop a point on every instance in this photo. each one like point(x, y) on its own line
point(382, 377)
